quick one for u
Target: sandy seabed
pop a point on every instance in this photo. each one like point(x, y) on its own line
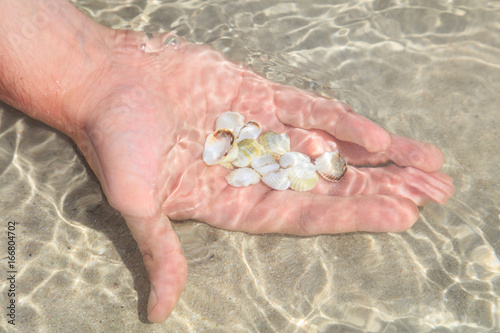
point(427, 71)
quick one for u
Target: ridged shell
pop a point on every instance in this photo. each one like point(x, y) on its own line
point(274, 143)
point(331, 166)
point(248, 149)
point(231, 121)
point(251, 130)
point(292, 158)
point(219, 148)
point(243, 177)
point(303, 177)
point(277, 180)
point(265, 164)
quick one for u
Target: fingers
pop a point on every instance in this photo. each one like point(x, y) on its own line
point(360, 140)
point(300, 109)
point(408, 152)
point(164, 260)
point(416, 185)
point(312, 214)
point(366, 199)
point(402, 151)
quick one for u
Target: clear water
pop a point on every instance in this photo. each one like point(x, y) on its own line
point(429, 70)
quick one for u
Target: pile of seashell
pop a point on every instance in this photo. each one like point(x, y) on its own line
point(234, 144)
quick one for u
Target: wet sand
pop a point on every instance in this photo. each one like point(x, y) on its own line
point(430, 73)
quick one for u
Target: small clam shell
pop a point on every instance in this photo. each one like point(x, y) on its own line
point(265, 164)
point(251, 130)
point(219, 148)
point(277, 180)
point(230, 120)
point(303, 177)
point(331, 166)
point(248, 149)
point(243, 177)
point(292, 158)
point(274, 143)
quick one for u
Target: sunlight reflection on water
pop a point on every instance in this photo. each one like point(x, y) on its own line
point(429, 72)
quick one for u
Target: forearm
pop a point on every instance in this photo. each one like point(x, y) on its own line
point(48, 50)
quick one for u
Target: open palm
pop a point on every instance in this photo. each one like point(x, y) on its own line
point(145, 117)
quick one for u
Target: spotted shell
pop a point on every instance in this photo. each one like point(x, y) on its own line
point(251, 130)
point(219, 148)
point(248, 149)
point(265, 164)
point(292, 158)
point(274, 143)
point(331, 166)
point(277, 180)
point(243, 177)
point(303, 177)
point(231, 121)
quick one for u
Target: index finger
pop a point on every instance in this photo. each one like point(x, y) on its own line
point(300, 109)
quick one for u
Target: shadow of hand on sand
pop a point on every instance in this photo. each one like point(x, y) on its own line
point(100, 216)
point(81, 202)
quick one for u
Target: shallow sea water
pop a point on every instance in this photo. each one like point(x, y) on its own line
point(429, 70)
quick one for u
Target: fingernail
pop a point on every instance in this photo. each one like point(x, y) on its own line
point(152, 299)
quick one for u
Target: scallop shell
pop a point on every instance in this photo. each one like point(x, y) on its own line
point(219, 148)
point(274, 143)
point(230, 120)
point(248, 149)
point(277, 180)
point(331, 166)
point(251, 130)
point(243, 177)
point(265, 164)
point(303, 177)
point(292, 158)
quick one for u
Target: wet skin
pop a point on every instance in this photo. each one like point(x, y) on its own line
point(141, 119)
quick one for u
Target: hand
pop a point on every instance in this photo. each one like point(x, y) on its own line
point(144, 120)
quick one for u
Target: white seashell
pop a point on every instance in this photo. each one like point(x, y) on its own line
point(303, 177)
point(277, 180)
point(251, 130)
point(331, 166)
point(265, 164)
point(219, 148)
point(274, 143)
point(243, 177)
point(292, 158)
point(230, 120)
point(248, 149)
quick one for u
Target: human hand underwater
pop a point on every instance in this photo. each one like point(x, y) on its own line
point(141, 119)
point(146, 119)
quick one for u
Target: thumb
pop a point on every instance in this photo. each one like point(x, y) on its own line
point(167, 267)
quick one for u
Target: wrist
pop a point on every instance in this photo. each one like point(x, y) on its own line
point(89, 95)
point(50, 50)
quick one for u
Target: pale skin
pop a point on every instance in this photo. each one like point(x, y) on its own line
point(141, 120)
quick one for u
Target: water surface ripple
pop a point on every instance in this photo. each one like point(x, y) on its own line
point(427, 70)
